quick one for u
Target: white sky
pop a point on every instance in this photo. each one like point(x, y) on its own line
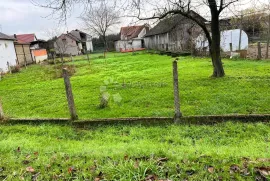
point(21, 16)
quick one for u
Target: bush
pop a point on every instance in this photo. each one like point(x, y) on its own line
point(15, 69)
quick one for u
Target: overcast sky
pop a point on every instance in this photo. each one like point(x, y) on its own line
point(21, 16)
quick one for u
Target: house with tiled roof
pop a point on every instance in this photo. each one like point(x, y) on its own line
point(175, 33)
point(73, 43)
point(7, 52)
point(26, 38)
point(131, 38)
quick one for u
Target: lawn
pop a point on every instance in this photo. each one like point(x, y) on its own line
point(226, 151)
point(139, 85)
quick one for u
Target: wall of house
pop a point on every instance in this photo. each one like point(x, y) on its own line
point(128, 44)
point(142, 33)
point(180, 39)
point(89, 46)
point(40, 55)
point(65, 45)
point(7, 54)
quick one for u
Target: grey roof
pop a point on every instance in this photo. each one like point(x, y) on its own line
point(168, 24)
point(5, 37)
point(76, 34)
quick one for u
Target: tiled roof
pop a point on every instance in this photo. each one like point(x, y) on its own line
point(131, 31)
point(26, 38)
point(5, 37)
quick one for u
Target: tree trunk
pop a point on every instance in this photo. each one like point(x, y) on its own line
point(215, 45)
point(105, 45)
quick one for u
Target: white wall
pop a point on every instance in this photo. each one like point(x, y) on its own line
point(41, 58)
point(7, 54)
point(89, 46)
point(128, 44)
point(142, 33)
point(227, 37)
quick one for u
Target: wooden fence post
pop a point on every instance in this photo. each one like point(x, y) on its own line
point(1, 111)
point(259, 51)
point(87, 57)
point(178, 113)
point(70, 99)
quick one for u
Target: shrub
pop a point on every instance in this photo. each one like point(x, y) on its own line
point(15, 69)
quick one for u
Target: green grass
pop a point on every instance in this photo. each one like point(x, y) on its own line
point(131, 152)
point(144, 82)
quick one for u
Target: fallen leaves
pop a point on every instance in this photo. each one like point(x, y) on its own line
point(30, 169)
point(234, 169)
point(264, 171)
point(211, 169)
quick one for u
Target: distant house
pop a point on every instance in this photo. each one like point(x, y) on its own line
point(84, 40)
point(131, 37)
point(33, 49)
point(176, 34)
point(73, 43)
point(7, 52)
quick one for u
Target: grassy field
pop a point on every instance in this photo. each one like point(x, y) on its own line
point(227, 151)
point(138, 85)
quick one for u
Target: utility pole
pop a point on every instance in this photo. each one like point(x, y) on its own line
point(241, 27)
point(268, 38)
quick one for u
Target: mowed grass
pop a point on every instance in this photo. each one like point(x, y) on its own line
point(139, 85)
point(226, 151)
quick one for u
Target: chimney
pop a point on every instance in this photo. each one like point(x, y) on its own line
point(15, 36)
point(67, 32)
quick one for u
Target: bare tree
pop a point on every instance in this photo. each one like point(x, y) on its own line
point(192, 9)
point(100, 18)
point(58, 42)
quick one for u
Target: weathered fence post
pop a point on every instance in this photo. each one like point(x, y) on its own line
point(88, 57)
point(70, 99)
point(178, 113)
point(1, 111)
point(259, 51)
point(71, 58)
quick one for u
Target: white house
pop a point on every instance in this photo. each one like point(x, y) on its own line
point(131, 38)
point(7, 52)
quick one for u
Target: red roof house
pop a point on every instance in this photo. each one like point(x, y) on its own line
point(26, 38)
point(130, 32)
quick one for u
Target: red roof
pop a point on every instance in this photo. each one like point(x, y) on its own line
point(26, 38)
point(131, 31)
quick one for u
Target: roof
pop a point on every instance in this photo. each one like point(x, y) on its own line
point(132, 31)
point(69, 36)
point(77, 34)
point(5, 37)
point(166, 25)
point(26, 38)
